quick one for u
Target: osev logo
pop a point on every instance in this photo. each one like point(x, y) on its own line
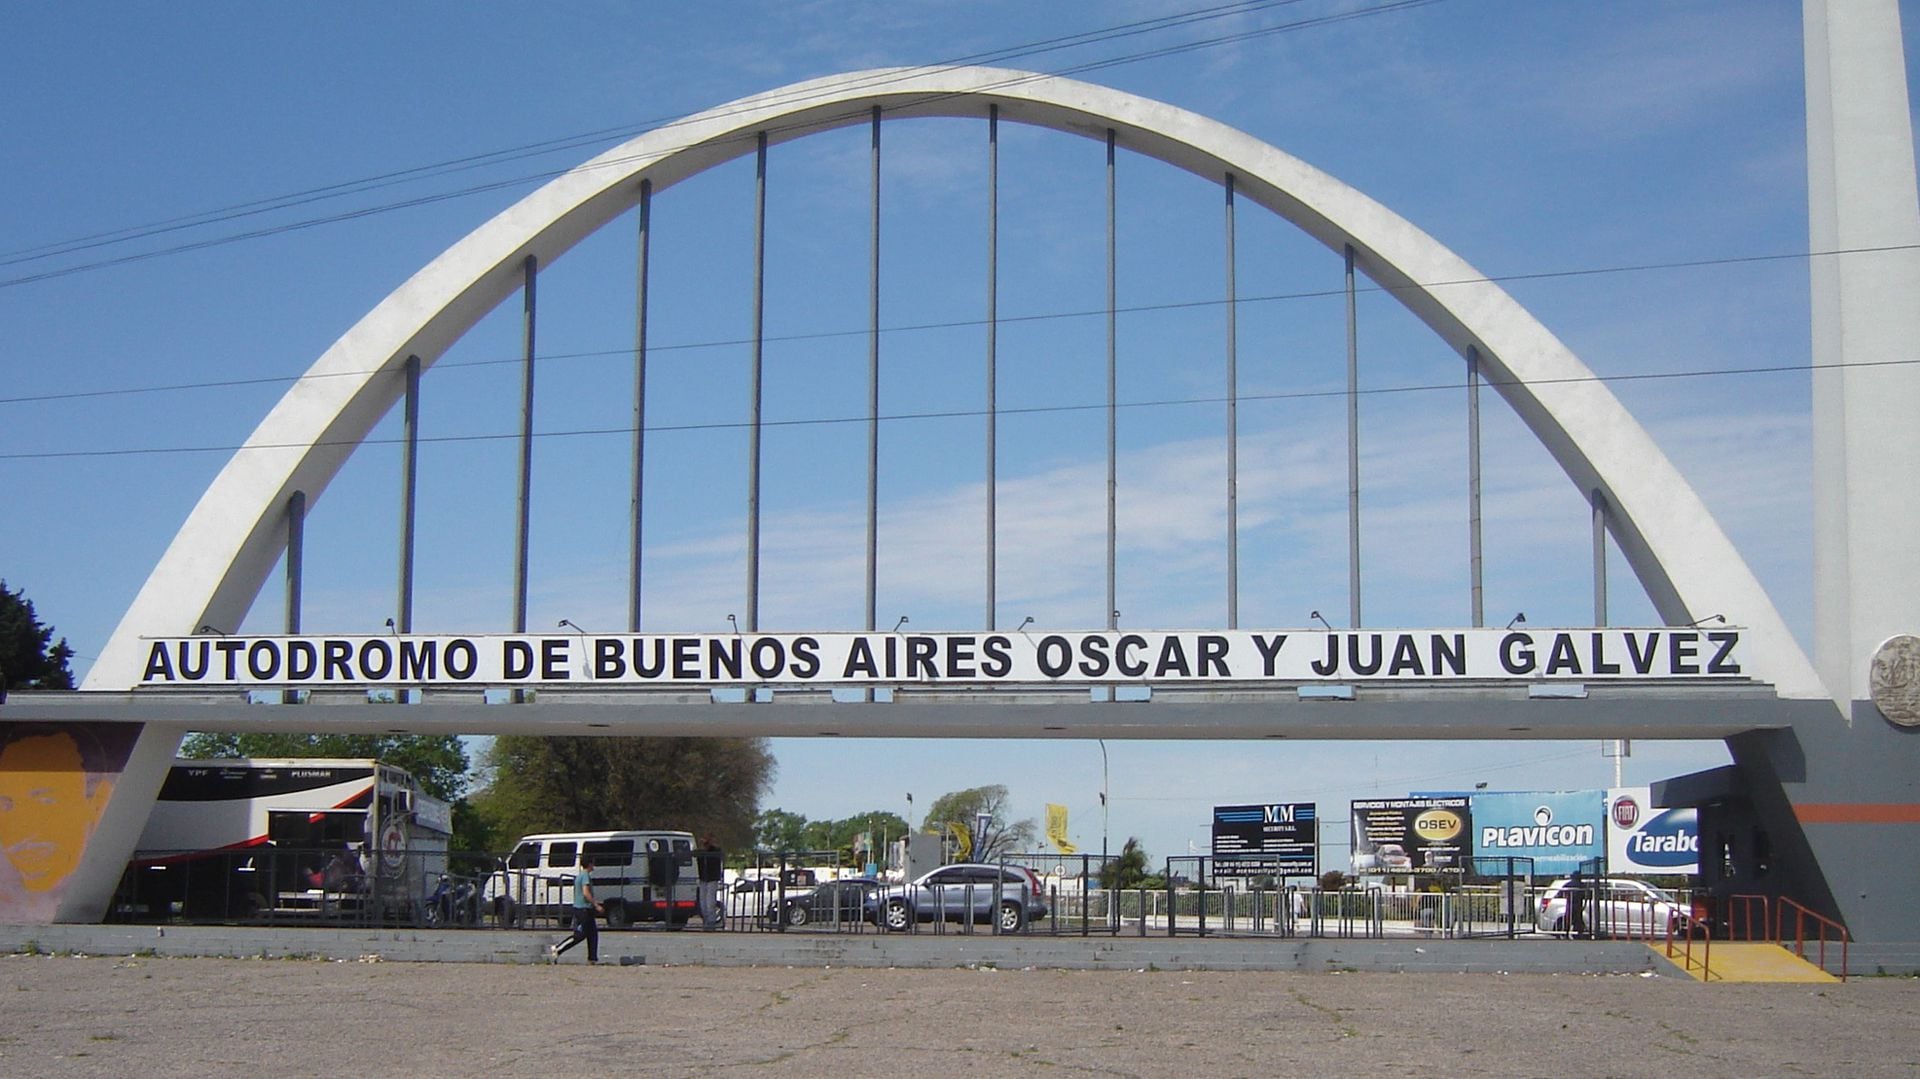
point(1437, 824)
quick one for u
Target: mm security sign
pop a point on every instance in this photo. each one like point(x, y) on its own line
point(1279, 840)
point(1288, 657)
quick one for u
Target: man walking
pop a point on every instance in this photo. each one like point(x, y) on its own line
point(585, 905)
point(712, 874)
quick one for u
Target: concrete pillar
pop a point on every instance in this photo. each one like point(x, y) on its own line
point(1865, 238)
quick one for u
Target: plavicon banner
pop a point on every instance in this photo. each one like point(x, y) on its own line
point(1556, 830)
point(836, 659)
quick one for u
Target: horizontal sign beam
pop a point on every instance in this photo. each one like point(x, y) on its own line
point(1157, 658)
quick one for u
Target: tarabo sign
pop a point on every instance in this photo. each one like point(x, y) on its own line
point(1643, 839)
point(972, 659)
point(1266, 840)
point(1411, 835)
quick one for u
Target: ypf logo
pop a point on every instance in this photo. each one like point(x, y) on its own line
point(1437, 824)
point(1626, 812)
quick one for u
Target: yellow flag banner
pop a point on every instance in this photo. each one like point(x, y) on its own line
point(962, 840)
point(1057, 828)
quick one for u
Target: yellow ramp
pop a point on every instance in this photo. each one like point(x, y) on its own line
point(1742, 962)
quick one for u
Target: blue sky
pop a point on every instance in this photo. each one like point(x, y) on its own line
point(1534, 138)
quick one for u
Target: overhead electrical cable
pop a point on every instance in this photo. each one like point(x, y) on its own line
point(1175, 305)
point(568, 142)
point(965, 413)
point(621, 162)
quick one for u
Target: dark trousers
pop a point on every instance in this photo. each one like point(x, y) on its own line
point(584, 928)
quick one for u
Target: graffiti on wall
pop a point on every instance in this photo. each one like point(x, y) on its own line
point(55, 780)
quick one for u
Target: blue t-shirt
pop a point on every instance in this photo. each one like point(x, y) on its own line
point(582, 882)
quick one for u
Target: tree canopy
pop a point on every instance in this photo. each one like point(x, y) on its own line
point(701, 785)
point(964, 808)
point(1128, 869)
point(779, 830)
point(29, 657)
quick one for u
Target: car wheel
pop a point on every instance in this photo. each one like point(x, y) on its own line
point(797, 914)
point(617, 916)
point(1012, 918)
point(896, 916)
point(1560, 926)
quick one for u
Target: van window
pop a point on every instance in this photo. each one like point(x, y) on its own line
point(611, 852)
point(560, 855)
point(525, 856)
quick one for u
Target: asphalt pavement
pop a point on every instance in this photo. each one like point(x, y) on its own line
point(153, 1015)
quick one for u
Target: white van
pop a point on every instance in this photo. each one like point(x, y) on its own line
point(642, 876)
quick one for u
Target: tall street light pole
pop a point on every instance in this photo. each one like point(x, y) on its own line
point(1103, 805)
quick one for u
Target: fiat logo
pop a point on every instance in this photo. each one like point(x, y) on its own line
point(1626, 812)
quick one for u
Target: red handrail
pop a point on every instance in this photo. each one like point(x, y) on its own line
point(1741, 923)
point(1823, 925)
point(1691, 929)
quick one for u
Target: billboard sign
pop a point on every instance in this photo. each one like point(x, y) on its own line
point(1557, 830)
point(1411, 835)
point(1281, 840)
point(1643, 840)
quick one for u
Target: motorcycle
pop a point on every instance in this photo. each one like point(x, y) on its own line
point(453, 903)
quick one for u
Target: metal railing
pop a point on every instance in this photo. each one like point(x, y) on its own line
point(1681, 941)
point(1823, 928)
point(270, 885)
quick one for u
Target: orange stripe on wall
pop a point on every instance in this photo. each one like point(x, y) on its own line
point(1858, 813)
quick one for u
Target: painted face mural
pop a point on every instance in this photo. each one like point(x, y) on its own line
point(49, 804)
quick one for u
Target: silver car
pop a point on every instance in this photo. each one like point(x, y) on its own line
point(1614, 907)
point(1008, 895)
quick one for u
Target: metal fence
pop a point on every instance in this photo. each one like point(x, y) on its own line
point(809, 891)
point(271, 885)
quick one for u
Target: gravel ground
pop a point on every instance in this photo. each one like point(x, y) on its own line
point(65, 1015)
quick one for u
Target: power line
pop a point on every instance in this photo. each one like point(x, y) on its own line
point(245, 210)
point(565, 142)
point(966, 413)
point(1176, 305)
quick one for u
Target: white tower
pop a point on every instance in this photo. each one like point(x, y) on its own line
point(1865, 236)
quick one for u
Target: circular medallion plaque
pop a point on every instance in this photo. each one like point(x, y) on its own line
point(1894, 680)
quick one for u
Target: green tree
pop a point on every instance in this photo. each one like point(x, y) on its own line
point(777, 829)
point(1128, 869)
point(29, 657)
point(702, 785)
point(965, 807)
point(438, 762)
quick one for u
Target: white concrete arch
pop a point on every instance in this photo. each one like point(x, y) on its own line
point(223, 553)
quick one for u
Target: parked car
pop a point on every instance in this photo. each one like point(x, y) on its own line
point(1615, 907)
point(771, 882)
point(834, 902)
point(1010, 896)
